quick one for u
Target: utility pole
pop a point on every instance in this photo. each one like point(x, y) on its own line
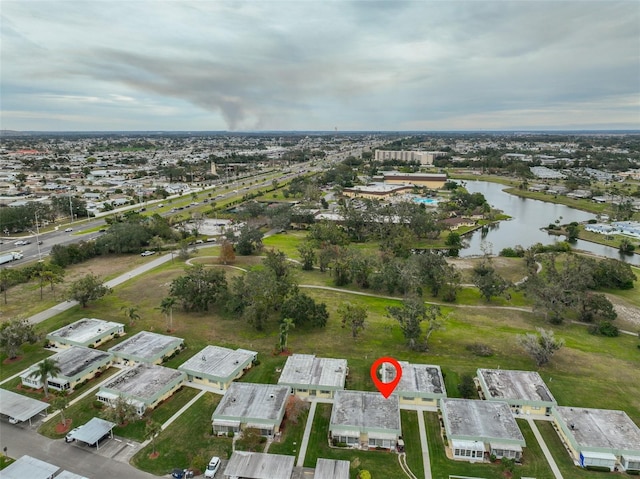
point(70, 207)
point(38, 238)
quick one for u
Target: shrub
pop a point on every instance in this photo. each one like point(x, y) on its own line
point(480, 349)
point(97, 404)
point(597, 468)
point(606, 328)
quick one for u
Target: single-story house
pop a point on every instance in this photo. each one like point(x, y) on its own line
point(85, 332)
point(457, 222)
point(77, 365)
point(248, 405)
point(365, 419)
point(420, 384)
point(309, 376)
point(478, 429)
point(217, 366)
point(146, 347)
point(599, 437)
point(257, 465)
point(524, 391)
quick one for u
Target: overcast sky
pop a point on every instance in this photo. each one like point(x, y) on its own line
point(319, 65)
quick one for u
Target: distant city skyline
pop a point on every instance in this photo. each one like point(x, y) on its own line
point(111, 65)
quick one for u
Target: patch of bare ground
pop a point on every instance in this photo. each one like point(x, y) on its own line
point(628, 315)
point(512, 269)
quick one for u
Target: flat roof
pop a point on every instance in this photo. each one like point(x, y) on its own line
point(146, 345)
point(306, 369)
point(480, 419)
point(84, 330)
point(92, 431)
point(365, 410)
point(74, 360)
point(252, 401)
point(416, 378)
point(602, 428)
point(20, 407)
point(429, 176)
point(70, 475)
point(30, 467)
point(514, 385)
point(375, 188)
point(143, 381)
point(257, 465)
point(218, 361)
point(331, 469)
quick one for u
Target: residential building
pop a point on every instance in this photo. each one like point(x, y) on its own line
point(425, 158)
point(256, 465)
point(85, 332)
point(420, 384)
point(309, 376)
point(146, 347)
point(218, 367)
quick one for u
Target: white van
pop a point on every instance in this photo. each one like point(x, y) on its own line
point(212, 468)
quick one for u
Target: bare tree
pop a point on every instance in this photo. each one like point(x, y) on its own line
point(541, 346)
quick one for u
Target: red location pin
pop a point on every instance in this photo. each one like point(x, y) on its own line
point(386, 388)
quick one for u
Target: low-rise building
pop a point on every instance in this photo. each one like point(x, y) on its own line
point(217, 366)
point(420, 384)
point(599, 437)
point(146, 347)
point(524, 391)
point(145, 386)
point(85, 332)
point(365, 420)
point(76, 364)
point(257, 465)
point(248, 405)
point(433, 181)
point(478, 429)
point(309, 376)
point(376, 191)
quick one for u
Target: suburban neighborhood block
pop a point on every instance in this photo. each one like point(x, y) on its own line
point(146, 347)
point(420, 384)
point(218, 367)
point(308, 375)
point(85, 332)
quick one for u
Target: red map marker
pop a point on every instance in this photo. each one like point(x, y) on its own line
point(386, 388)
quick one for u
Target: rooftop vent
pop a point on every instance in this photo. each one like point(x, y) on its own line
point(271, 396)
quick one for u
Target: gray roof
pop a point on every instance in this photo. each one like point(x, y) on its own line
point(84, 331)
point(75, 360)
point(145, 345)
point(219, 362)
point(331, 469)
point(416, 378)
point(600, 428)
point(365, 411)
point(20, 407)
point(29, 467)
point(514, 385)
point(307, 370)
point(143, 381)
point(70, 475)
point(487, 420)
point(253, 401)
point(93, 431)
point(256, 465)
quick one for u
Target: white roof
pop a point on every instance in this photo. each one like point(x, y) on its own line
point(331, 469)
point(70, 475)
point(509, 447)
point(307, 370)
point(599, 455)
point(29, 467)
point(255, 465)
point(219, 362)
point(20, 407)
point(84, 331)
point(471, 445)
point(93, 431)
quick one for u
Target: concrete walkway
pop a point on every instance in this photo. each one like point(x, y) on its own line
point(426, 460)
point(545, 449)
point(307, 433)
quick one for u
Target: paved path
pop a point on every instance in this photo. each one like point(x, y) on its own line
point(545, 449)
point(307, 433)
point(426, 461)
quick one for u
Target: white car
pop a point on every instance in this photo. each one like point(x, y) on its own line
point(20, 243)
point(68, 230)
point(212, 467)
point(147, 253)
point(69, 437)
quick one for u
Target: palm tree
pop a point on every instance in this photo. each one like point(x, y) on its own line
point(166, 306)
point(131, 313)
point(151, 431)
point(47, 368)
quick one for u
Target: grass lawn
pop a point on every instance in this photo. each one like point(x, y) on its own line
point(29, 354)
point(412, 445)
point(562, 457)
point(5, 461)
point(381, 464)
point(286, 242)
point(187, 442)
point(291, 435)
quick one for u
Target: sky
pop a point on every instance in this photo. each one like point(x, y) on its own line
point(124, 65)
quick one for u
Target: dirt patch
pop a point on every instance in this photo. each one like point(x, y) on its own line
point(63, 427)
point(626, 312)
point(154, 455)
point(12, 360)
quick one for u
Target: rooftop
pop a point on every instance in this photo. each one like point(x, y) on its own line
point(483, 419)
point(76, 359)
point(255, 465)
point(146, 345)
point(218, 361)
point(306, 369)
point(84, 330)
point(92, 431)
point(331, 469)
point(143, 381)
point(603, 428)
point(375, 188)
point(253, 401)
point(30, 467)
point(421, 378)
point(70, 475)
point(365, 410)
point(515, 385)
point(20, 407)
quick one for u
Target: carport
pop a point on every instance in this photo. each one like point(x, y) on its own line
point(30, 467)
point(93, 431)
point(19, 407)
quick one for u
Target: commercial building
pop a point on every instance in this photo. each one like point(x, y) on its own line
point(248, 405)
point(29, 467)
point(77, 365)
point(146, 347)
point(433, 181)
point(365, 420)
point(256, 465)
point(309, 376)
point(85, 332)
point(599, 437)
point(218, 367)
point(420, 384)
point(524, 391)
point(479, 429)
point(376, 191)
point(145, 386)
point(331, 469)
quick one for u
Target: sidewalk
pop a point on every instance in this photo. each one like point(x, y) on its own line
point(545, 449)
point(307, 433)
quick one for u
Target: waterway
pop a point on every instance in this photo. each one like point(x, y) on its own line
point(528, 216)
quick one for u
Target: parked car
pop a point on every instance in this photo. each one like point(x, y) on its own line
point(20, 243)
point(212, 467)
point(68, 230)
point(147, 253)
point(69, 437)
point(13, 420)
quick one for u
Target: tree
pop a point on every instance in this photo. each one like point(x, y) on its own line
point(572, 230)
point(199, 288)
point(60, 403)
point(120, 411)
point(294, 408)
point(227, 255)
point(410, 316)
point(285, 325)
point(467, 388)
point(166, 306)
point(47, 368)
point(488, 281)
point(542, 346)
point(594, 305)
point(249, 241)
point(303, 309)
point(151, 430)
point(13, 334)
point(626, 246)
point(88, 288)
point(454, 242)
point(131, 313)
point(307, 254)
point(353, 317)
point(7, 278)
